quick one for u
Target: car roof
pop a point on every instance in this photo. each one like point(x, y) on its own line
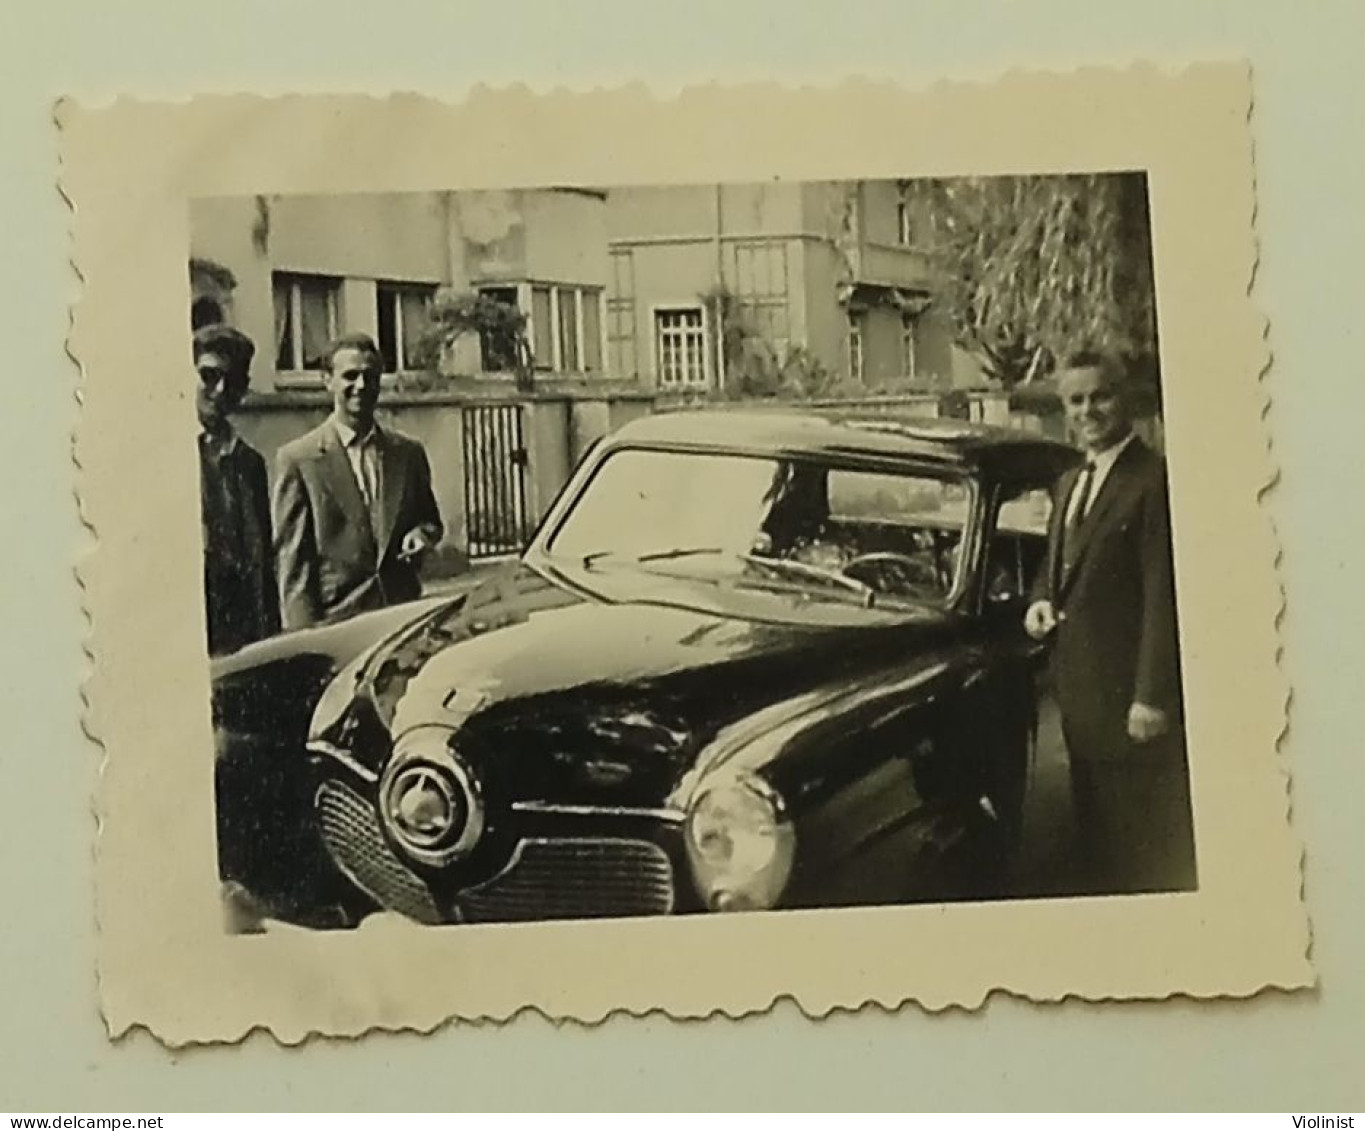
point(1003, 452)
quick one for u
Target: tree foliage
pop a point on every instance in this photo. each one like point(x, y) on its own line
point(1033, 269)
point(757, 367)
point(500, 326)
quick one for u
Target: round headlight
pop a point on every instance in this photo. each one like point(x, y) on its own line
point(429, 801)
point(740, 844)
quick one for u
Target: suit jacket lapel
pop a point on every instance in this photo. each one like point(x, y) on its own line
point(1056, 522)
point(341, 482)
point(391, 480)
point(1104, 502)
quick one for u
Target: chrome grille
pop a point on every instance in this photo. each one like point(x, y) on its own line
point(350, 829)
point(575, 879)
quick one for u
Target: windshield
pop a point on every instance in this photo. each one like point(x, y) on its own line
point(871, 535)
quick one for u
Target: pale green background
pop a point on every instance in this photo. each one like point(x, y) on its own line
point(1298, 1052)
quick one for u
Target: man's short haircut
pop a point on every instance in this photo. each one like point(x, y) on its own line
point(1139, 390)
point(1096, 359)
point(229, 342)
point(352, 341)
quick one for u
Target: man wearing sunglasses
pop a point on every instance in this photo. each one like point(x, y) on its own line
point(240, 598)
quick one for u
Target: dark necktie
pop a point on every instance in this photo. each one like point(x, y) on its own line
point(1081, 498)
point(1078, 506)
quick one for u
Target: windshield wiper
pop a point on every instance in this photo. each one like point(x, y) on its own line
point(653, 556)
point(786, 568)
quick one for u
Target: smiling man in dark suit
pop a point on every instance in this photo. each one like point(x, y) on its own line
point(1106, 599)
point(354, 508)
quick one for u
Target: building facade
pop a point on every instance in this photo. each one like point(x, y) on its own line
point(830, 271)
point(631, 296)
point(293, 272)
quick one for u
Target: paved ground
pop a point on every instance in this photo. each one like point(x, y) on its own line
point(1047, 860)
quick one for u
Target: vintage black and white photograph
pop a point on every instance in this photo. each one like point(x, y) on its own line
point(582, 552)
point(801, 547)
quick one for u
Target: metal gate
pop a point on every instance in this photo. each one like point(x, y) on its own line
point(494, 479)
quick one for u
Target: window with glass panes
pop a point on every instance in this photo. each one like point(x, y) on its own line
point(497, 356)
point(904, 223)
point(566, 328)
point(761, 283)
point(680, 347)
point(306, 319)
point(404, 316)
point(855, 346)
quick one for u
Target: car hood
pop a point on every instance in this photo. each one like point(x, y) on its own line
point(569, 695)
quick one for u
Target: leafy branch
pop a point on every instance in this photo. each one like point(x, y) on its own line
point(500, 326)
point(1034, 269)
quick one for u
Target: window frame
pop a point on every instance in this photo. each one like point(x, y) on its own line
point(856, 348)
point(1002, 493)
point(705, 383)
point(394, 289)
point(979, 509)
point(577, 295)
point(904, 223)
point(486, 290)
point(298, 373)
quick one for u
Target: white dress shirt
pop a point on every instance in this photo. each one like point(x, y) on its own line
point(1103, 463)
point(362, 453)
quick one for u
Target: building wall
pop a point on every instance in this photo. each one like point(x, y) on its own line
point(546, 425)
point(230, 231)
point(650, 212)
point(934, 360)
point(566, 237)
point(397, 236)
point(824, 319)
point(674, 275)
point(691, 212)
point(463, 238)
point(883, 347)
point(685, 241)
point(512, 235)
point(591, 418)
point(879, 222)
point(829, 208)
point(827, 234)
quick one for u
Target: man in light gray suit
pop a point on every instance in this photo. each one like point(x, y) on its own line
point(353, 506)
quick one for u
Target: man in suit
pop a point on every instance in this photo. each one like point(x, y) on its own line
point(1106, 599)
point(354, 509)
point(239, 586)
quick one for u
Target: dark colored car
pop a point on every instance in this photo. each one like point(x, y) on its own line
point(750, 660)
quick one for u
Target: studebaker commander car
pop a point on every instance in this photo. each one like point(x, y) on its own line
point(750, 660)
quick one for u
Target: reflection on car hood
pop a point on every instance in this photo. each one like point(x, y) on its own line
point(607, 696)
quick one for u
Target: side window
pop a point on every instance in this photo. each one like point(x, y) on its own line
point(883, 497)
point(1026, 512)
point(1019, 546)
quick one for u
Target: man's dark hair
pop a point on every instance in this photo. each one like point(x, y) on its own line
point(352, 341)
point(1095, 359)
point(231, 344)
